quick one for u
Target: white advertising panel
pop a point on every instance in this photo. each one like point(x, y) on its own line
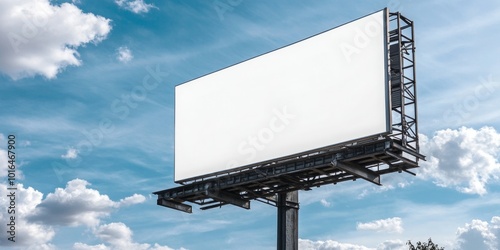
point(324, 90)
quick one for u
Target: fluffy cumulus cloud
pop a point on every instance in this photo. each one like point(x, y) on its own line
point(136, 6)
point(305, 244)
point(40, 38)
point(124, 54)
point(480, 235)
point(466, 159)
point(131, 200)
point(117, 236)
point(27, 234)
point(36, 219)
point(390, 225)
point(77, 205)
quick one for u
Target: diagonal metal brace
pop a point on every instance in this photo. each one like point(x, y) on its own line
point(174, 205)
point(358, 171)
point(228, 198)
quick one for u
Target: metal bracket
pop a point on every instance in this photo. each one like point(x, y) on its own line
point(357, 171)
point(174, 205)
point(228, 198)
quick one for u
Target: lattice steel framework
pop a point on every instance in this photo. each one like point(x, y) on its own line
point(403, 81)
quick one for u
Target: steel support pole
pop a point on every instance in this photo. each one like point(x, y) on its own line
point(288, 221)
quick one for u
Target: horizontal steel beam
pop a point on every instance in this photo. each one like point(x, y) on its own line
point(228, 198)
point(175, 205)
point(358, 171)
point(219, 205)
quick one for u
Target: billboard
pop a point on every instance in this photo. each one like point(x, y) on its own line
point(325, 90)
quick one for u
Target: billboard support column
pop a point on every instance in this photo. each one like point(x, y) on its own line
point(288, 221)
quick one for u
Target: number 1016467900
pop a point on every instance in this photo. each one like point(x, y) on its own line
point(11, 159)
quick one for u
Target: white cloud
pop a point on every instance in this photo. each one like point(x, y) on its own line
point(391, 225)
point(479, 235)
point(124, 54)
point(74, 205)
point(305, 244)
point(82, 246)
point(131, 200)
point(4, 166)
point(70, 154)
point(392, 245)
point(77, 205)
point(42, 39)
point(325, 203)
point(117, 236)
point(466, 159)
point(389, 182)
point(27, 233)
point(376, 189)
point(136, 6)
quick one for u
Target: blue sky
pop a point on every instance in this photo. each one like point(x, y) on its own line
point(87, 89)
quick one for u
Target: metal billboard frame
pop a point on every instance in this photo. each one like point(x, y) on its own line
point(276, 183)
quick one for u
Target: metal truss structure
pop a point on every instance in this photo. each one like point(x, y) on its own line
point(369, 159)
point(366, 161)
point(403, 81)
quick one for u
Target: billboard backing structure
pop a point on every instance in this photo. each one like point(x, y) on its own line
point(326, 90)
point(303, 128)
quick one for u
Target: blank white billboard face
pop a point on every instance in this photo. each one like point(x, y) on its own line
point(325, 90)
